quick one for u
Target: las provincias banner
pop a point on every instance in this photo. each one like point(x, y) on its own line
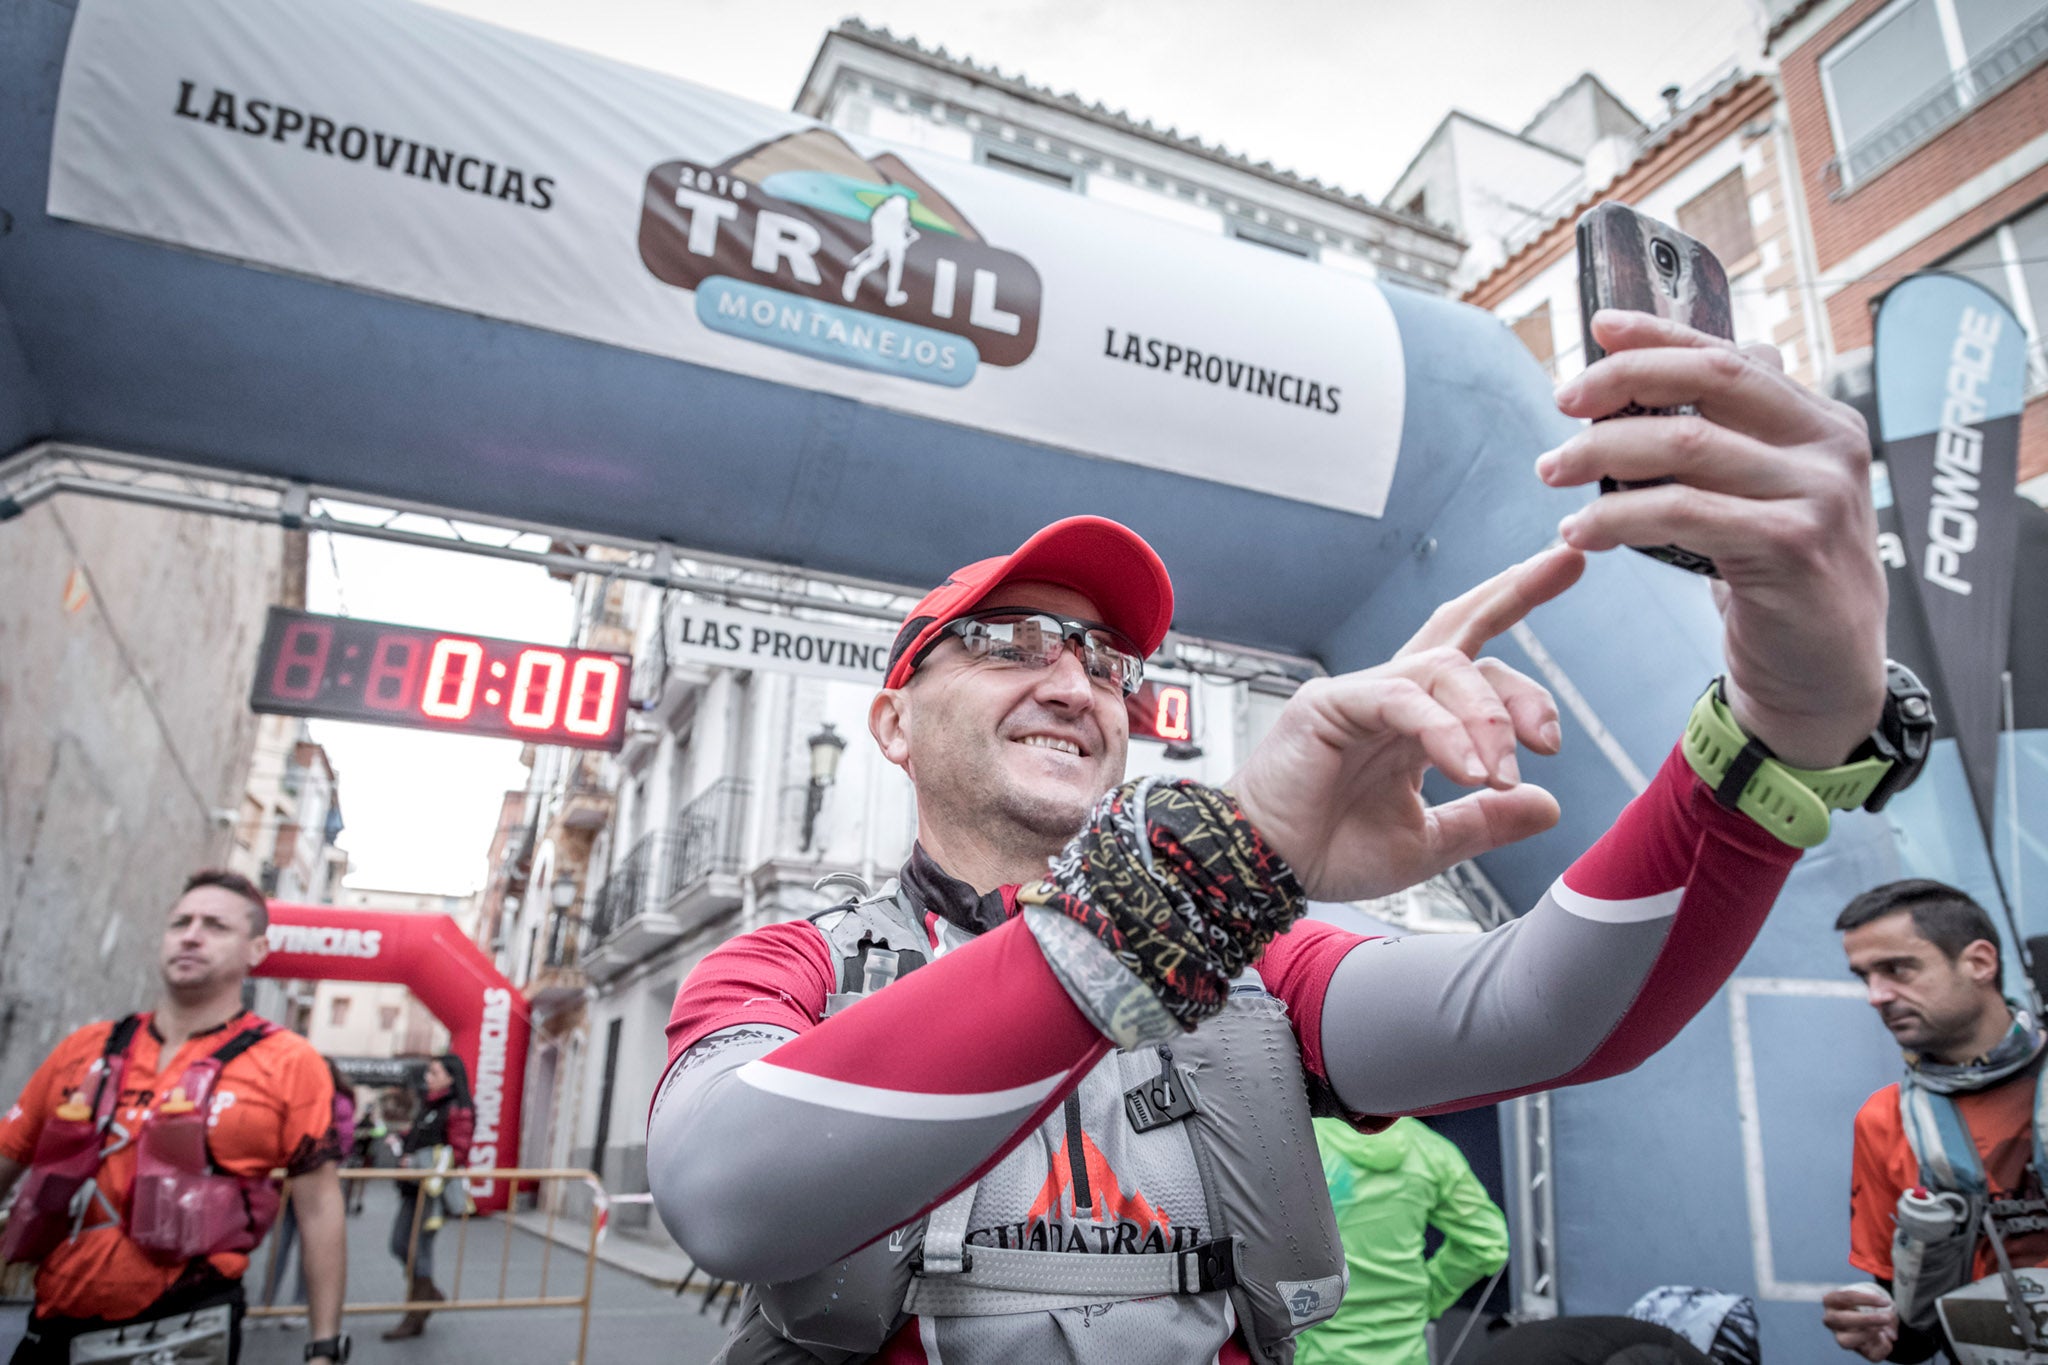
point(404, 150)
point(1950, 374)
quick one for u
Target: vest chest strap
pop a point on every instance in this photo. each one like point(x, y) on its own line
point(1000, 1280)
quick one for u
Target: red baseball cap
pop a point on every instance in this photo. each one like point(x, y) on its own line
point(1107, 562)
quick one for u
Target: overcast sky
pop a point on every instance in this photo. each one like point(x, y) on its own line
point(1343, 90)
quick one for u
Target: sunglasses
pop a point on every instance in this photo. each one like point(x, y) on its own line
point(1036, 639)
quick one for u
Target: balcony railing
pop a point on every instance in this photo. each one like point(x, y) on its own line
point(659, 875)
point(2012, 57)
point(559, 976)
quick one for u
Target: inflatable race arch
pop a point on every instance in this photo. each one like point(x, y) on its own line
point(486, 1016)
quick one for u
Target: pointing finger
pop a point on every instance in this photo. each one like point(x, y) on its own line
point(1468, 621)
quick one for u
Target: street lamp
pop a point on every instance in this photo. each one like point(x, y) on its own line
point(826, 746)
point(561, 895)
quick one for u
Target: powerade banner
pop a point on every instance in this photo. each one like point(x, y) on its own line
point(1950, 374)
point(412, 152)
point(2027, 632)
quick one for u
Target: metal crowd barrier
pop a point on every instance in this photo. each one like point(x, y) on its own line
point(458, 1225)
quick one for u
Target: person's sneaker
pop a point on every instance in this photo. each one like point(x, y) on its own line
point(291, 1322)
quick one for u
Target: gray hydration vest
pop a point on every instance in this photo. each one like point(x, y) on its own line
point(1924, 1268)
point(1234, 1087)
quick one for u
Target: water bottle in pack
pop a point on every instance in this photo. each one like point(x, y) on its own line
point(1932, 1250)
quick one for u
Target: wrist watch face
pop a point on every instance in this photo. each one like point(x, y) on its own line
point(1905, 733)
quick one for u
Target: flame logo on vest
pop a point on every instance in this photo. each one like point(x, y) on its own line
point(1115, 1223)
point(803, 244)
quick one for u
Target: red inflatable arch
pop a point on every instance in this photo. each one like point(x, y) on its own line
point(486, 1015)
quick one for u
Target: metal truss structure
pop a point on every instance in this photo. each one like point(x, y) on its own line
point(1532, 1205)
point(46, 469)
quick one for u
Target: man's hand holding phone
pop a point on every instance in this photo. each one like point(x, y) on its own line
point(1770, 480)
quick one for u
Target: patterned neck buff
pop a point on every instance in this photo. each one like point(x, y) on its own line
point(2022, 1044)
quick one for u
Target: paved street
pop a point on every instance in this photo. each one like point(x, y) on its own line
point(632, 1318)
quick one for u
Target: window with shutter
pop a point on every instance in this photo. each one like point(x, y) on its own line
point(1719, 218)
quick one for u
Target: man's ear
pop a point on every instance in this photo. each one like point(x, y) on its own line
point(258, 948)
point(889, 723)
point(1979, 961)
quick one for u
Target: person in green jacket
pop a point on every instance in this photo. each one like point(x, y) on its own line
point(1387, 1188)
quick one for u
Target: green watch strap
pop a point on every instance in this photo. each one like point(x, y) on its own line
point(1792, 803)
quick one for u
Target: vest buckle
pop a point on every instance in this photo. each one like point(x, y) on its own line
point(1207, 1268)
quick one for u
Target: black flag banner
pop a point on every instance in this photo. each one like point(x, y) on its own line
point(1950, 374)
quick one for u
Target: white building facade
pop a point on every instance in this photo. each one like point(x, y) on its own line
point(867, 82)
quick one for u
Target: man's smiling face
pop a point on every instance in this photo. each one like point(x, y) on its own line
point(1032, 748)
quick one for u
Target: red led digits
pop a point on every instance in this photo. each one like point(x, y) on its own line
point(340, 668)
point(536, 689)
point(1170, 721)
point(593, 697)
point(451, 679)
point(301, 660)
point(394, 668)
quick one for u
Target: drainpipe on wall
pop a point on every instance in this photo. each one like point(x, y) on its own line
point(1799, 228)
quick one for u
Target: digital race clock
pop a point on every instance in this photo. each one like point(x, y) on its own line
point(343, 669)
point(1161, 711)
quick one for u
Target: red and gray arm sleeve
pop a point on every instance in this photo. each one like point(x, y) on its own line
point(778, 1143)
point(1621, 952)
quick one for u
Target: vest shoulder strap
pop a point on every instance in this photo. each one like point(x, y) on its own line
point(1942, 1145)
point(243, 1041)
point(876, 939)
point(121, 1035)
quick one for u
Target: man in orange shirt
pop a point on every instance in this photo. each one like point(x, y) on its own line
point(204, 1101)
point(1929, 957)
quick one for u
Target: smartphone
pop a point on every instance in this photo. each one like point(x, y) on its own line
point(1634, 262)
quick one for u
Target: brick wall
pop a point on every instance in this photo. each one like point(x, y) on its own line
point(1848, 309)
point(1986, 135)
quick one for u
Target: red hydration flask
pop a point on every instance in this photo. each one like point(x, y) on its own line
point(180, 1207)
point(67, 1156)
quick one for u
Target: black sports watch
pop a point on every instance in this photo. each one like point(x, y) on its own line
point(334, 1348)
point(1904, 733)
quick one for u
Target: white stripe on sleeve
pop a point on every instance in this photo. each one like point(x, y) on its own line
point(1663, 905)
point(893, 1104)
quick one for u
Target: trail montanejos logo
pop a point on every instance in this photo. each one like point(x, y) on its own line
point(804, 244)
